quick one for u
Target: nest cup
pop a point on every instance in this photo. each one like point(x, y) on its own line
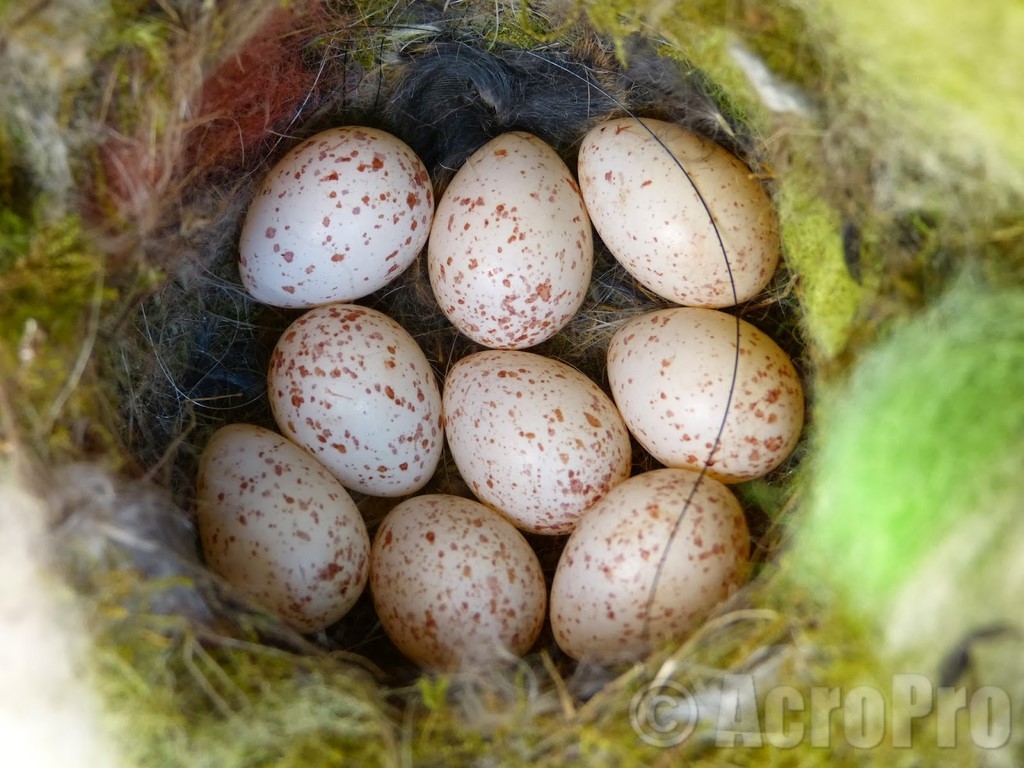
point(194, 113)
point(445, 89)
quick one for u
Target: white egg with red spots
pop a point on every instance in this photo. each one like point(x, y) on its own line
point(279, 528)
point(683, 215)
point(647, 564)
point(677, 380)
point(511, 249)
point(533, 437)
point(454, 583)
point(342, 214)
point(352, 387)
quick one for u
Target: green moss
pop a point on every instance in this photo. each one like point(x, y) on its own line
point(53, 283)
point(8, 184)
point(777, 32)
point(958, 63)
point(701, 34)
point(178, 698)
point(814, 251)
point(916, 441)
point(922, 125)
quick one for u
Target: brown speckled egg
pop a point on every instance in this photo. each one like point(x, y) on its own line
point(511, 249)
point(351, 386)
point(671, 375)
point(654, 216)
point(342, 214)
point(277, 526)
point(533, 437)
point(646, 564)
point(454, 583)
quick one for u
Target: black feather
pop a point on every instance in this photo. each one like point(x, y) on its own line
point(453, 98)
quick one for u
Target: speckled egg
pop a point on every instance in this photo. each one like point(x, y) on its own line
point(278, 527)
point(646, 564)
point(351, 386)
point(684, 216)
point(342, 214)
point(671, 374)
point(533, 437)
point(455, 584)
point(511, 249)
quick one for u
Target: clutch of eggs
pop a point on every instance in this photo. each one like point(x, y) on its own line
point(543, 448)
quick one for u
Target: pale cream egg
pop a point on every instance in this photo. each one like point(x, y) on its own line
point(683, 215)
point(511, 249)
point(352, 387)
point(455, 585)
point(646, 565)
point(342, 214)
point(533, 437)
point(278, 527)
point(693, 401)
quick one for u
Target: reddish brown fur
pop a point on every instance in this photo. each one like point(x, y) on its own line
point(256, 92)
point(253, 90)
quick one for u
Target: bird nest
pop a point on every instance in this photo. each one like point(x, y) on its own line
point(126, 169)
